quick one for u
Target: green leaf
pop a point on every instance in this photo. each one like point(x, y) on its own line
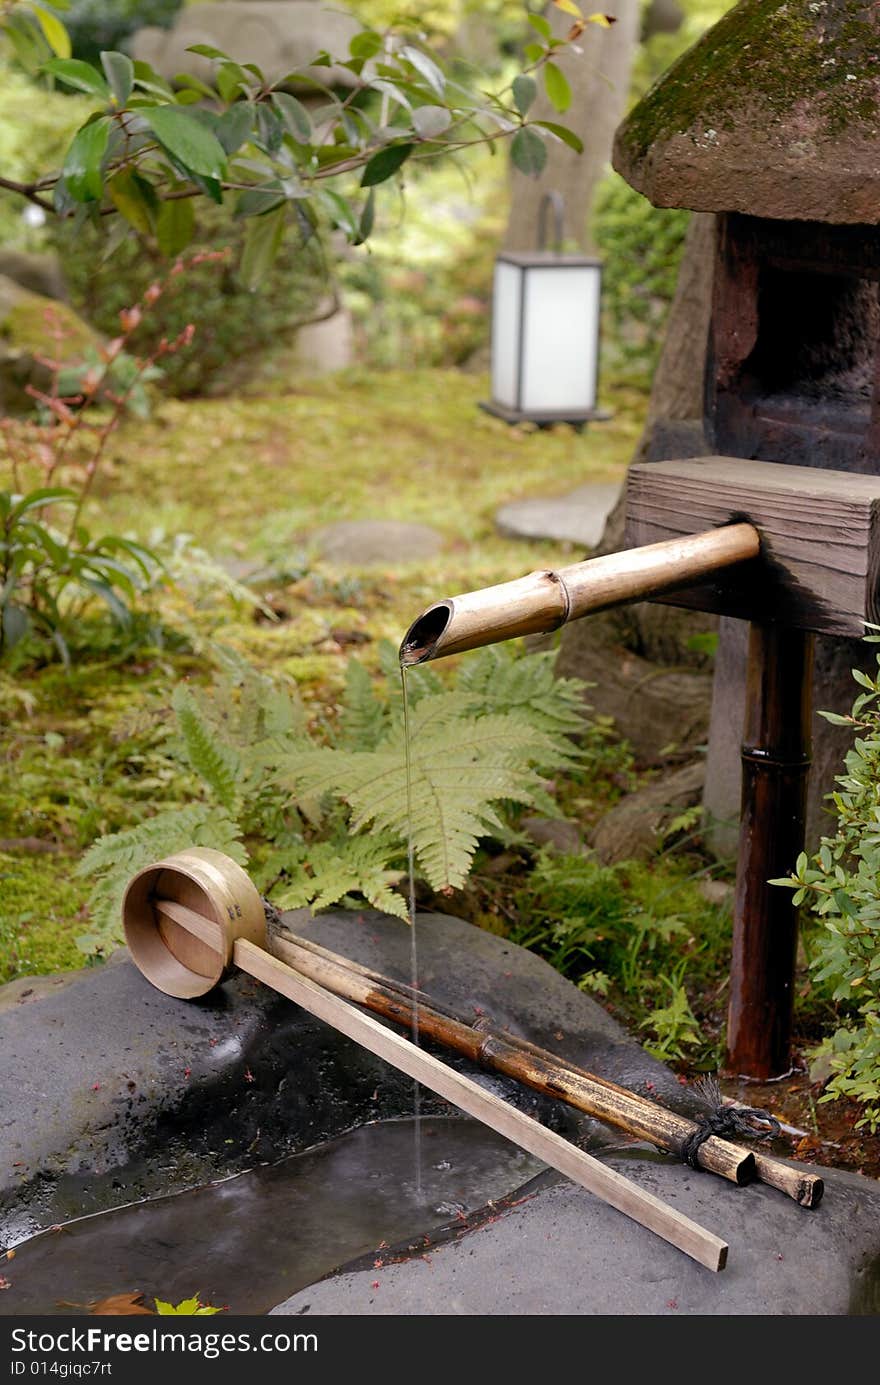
point(57, 36)
point(148, 80)
point(82, 165)
point(429, 122)
point(525, 89)
point(262, 241)
point(296, 118)
point(231, 80)
point(175, 225)
point(79, 75)
point(557, 87)
point(341, 212)
point(135, 199)
point(528, 151)
point(119, 71)
point(234, 126)
point(188, 141)
point(368, 216)
point(385, 164)
point(366, 44)
point(258, 201)
point(562, 132)
point(540, 25)
point(206, 50)
point(426, 67)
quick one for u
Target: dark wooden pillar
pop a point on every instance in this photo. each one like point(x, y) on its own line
point(776, 761)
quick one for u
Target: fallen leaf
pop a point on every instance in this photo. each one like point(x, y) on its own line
point(121, 1305)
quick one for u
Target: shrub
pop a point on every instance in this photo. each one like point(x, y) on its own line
point(641, 248)
point(236, 327)
point(841, 882)
point(35, 128)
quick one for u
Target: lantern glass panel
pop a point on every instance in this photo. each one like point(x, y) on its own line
point(506, 326)
point(560, 324)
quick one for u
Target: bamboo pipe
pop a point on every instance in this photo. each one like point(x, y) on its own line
point(804, 1186)
point(617, 1106)
point(619, 1192)
point(544, 600)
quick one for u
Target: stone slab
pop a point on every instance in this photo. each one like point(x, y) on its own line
point(376, 542)
point(577, 518)
point(563, 1252)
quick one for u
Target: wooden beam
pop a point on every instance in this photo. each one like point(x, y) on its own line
point(468, 1096)
point(820, 537)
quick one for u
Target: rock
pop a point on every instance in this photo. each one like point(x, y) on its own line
point(797, 144)
point(558, 834)
point(563, 1252)
point(24, 335)
point(372, 542)
point(278, 35)
point(662, 711)
point(138, 1094)
point(577, 518)
point(634, 828)
point(40, 273)
point(126, 1078)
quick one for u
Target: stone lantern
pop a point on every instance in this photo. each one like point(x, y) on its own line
point(772, 121)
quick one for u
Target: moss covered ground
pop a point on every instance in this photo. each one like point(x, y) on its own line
point(250, 480)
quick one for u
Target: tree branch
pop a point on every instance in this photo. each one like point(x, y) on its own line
point(29, 191)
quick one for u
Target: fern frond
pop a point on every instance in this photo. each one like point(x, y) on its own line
point(116, 858)
point(346, 866)
point(364, 718)
point(496, 679)
point(218, 764)
point(460, 769)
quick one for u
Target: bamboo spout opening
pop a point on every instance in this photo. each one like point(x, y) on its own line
point(420, 641)
point(542, 601)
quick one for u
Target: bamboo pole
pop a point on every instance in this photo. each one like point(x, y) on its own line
point(671, 1225)
point(648, 1211)
point(545, 600)
point(556, 1076)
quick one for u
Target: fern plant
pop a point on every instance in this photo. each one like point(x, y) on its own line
point(322, 818)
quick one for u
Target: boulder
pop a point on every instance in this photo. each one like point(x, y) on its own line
point(635, 827)
point(40, 273)
point(25, 335)
point(278, 35)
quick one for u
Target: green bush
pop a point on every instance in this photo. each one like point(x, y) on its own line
point(97, 24)
point(235, 328)
point(641, 248)
point(841, 882)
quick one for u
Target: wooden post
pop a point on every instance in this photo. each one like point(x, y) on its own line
point(776, 761)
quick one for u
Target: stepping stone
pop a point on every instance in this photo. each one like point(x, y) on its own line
point(578, 517)
point(369, 542)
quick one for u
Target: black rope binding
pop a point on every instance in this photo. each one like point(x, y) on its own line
point(724, 1120)
point(273, 917)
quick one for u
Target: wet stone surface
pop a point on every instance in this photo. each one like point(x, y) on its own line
point(295, 1221)
point(112, 1092)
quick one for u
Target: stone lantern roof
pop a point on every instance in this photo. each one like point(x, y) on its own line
point(774, 112)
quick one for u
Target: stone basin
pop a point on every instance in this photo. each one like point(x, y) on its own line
point(113, 1093)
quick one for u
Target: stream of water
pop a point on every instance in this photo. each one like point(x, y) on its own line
point(413, 944)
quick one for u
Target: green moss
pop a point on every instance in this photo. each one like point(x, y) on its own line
point(767, 58)
point(38, 920)
point(23, 325)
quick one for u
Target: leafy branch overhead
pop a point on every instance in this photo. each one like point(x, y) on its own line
point(149, 146)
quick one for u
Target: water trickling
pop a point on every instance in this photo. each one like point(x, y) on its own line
point(413, 944)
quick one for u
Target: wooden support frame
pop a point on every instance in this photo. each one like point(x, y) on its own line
point(819, 566)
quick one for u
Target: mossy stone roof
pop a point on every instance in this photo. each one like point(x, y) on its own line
point(774, 112)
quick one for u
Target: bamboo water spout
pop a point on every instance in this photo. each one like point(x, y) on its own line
point(544, 600)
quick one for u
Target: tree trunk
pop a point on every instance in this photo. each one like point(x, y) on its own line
point(598, 69)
